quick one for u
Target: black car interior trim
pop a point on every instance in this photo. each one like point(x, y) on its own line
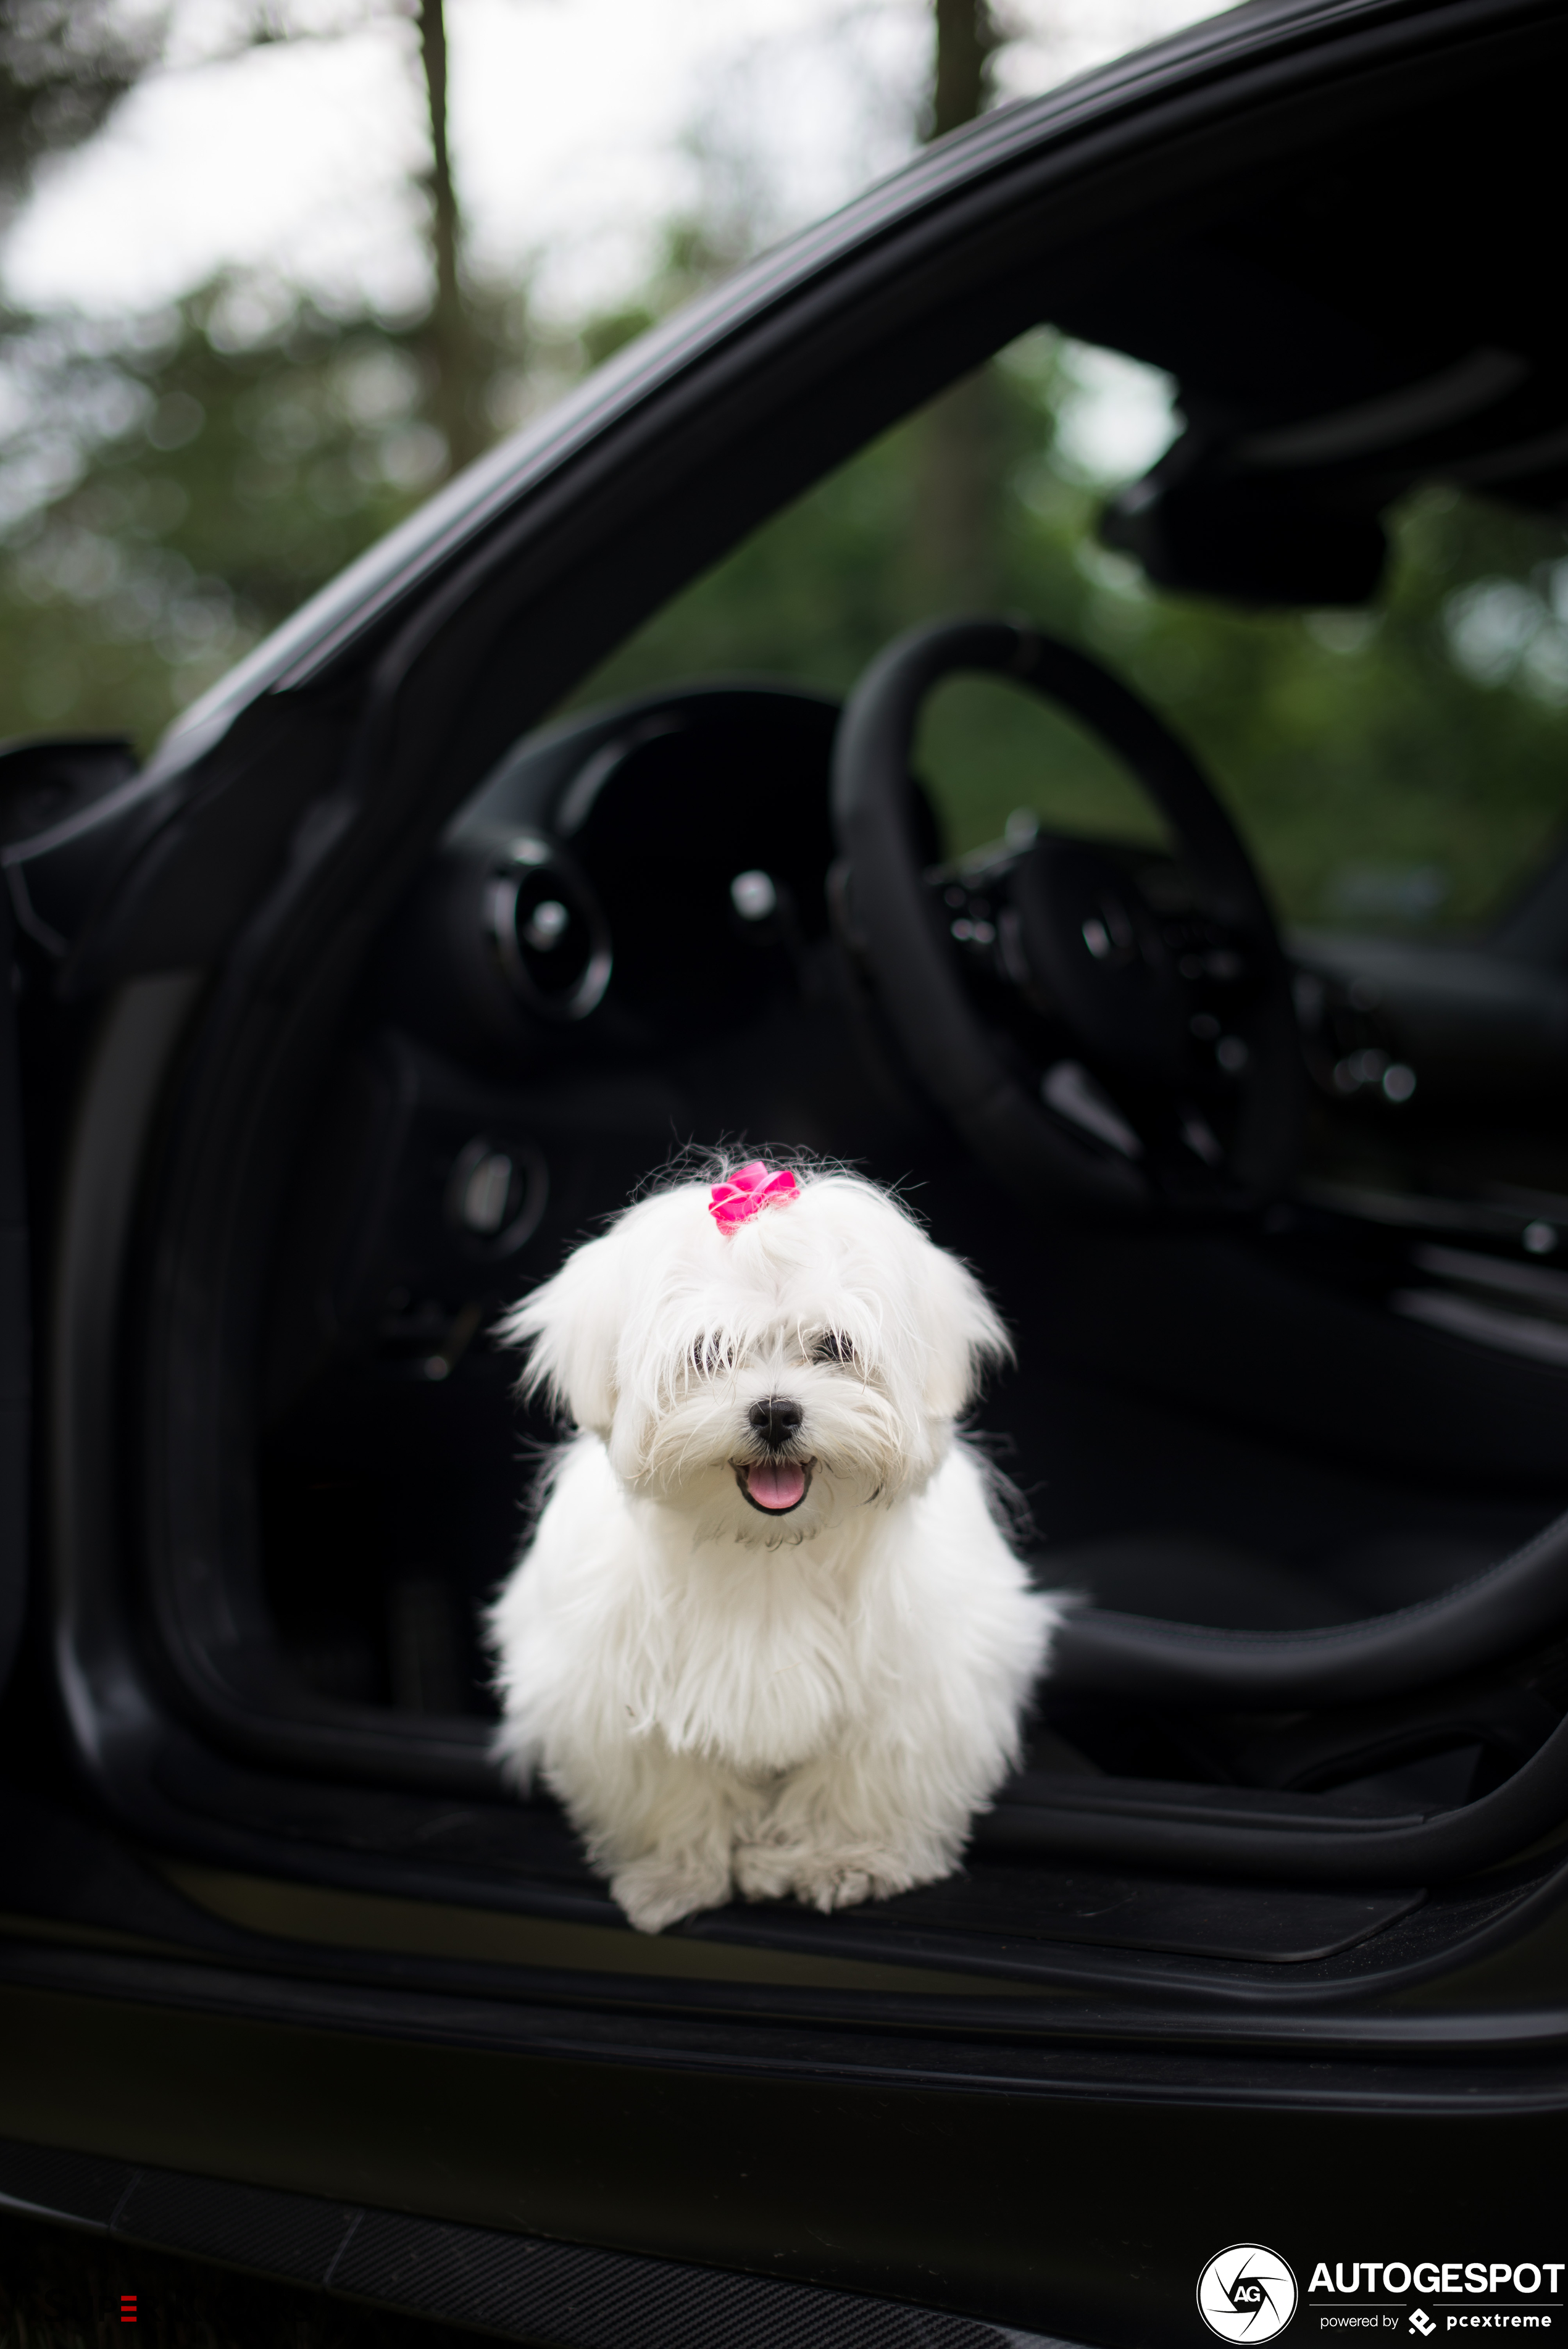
point(513, 2286)
point(1478, 1622)
point(449, 1911)
point(1120, 1823)
point(1011, 1916)
point(16, 1329)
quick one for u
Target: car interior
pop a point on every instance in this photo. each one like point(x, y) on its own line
point(1271, 1187)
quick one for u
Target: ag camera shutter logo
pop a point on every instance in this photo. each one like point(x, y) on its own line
point(1246, 2292)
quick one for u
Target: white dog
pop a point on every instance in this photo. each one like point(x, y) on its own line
point(767, 1636)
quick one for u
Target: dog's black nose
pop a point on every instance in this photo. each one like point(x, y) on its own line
point(776, 1420)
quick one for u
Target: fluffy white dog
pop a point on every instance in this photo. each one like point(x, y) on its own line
point(767, 1635)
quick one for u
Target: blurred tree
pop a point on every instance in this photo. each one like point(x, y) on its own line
point(457, 342)
point(967, 39)
point(219, 463)
point(65, 65)
point(954, 546)
point(454, 348)
point(172, 487)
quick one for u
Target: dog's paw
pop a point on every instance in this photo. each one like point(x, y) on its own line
point(656, 1892)
point(822, 1879)
point(766, 1870)
point(843, 1882)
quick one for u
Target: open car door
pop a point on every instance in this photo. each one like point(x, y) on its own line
point(16, 1349)
point(52, 791)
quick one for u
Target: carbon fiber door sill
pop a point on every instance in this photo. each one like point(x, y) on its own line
point(517, 2287)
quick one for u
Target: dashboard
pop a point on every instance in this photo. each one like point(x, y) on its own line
point(592, 900)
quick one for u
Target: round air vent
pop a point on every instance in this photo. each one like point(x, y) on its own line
point(495, 1195)
point(547, 929)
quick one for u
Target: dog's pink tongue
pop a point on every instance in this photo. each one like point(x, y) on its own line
point(776, 1485)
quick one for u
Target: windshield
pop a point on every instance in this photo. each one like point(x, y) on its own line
point(1398, 770)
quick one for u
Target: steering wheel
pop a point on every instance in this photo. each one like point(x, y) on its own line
point(1104, 1028)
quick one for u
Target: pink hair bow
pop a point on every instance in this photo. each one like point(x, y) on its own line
point(748, 1191)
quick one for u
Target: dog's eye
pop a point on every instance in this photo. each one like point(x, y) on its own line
point(711, 1354)
point(832, 1346)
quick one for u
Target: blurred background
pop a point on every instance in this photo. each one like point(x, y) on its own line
point(273, 269)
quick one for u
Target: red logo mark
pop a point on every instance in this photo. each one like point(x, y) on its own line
point(128, 2308)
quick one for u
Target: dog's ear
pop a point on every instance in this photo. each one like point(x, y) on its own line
point(964, 1334)
point(569, 1325)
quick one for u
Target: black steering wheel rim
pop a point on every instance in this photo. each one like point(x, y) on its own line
point(922, 992)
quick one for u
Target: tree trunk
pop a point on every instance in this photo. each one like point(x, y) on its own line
point(450, 346)
point(957, 525)
point(966, 41)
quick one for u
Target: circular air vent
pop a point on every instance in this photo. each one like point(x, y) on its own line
point(548, 933)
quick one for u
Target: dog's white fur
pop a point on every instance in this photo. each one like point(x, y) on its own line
point(725, 1701)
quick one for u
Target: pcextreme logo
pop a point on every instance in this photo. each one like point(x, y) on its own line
point(1246, 2292)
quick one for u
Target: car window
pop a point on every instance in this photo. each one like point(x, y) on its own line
point(1397, 770)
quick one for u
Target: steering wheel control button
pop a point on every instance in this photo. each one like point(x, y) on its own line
point(1073, 1094)
point(1094, 946)
point(1370, 1070)
point(1109, 934)
point(1201, 1138)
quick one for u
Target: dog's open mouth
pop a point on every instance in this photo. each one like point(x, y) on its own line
point(774, 1487)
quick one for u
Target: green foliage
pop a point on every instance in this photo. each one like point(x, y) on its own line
point(1404, 767)
point(172, 488)
point(220, 464)
point(1401, 768)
